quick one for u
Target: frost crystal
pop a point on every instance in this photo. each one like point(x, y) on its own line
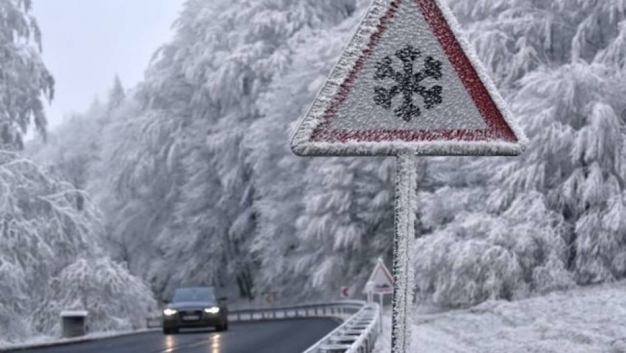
point(408, 83)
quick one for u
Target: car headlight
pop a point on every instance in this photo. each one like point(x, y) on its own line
point(169, 312)
point(212, 310)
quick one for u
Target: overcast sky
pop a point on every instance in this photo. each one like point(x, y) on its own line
point(87, 42)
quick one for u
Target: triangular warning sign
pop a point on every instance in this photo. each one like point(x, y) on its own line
point(380, 280)
point(408, 81)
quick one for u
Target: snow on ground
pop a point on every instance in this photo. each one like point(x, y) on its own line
point(584, 320)
point(46, 341)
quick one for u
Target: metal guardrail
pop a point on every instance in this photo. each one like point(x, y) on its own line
point(340, 309)
point(357, 334)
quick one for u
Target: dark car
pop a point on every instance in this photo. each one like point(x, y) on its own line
point(195, 307)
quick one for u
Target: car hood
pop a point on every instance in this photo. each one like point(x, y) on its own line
point(191, 305)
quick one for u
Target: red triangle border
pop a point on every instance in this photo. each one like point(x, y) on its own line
point(497, 129)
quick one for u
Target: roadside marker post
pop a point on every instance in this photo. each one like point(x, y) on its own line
point(408, 84)
point(345, 292)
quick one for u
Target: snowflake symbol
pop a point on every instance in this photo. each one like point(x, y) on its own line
point(408, 83)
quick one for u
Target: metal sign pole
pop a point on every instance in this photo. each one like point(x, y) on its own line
point(381, 297)
point(369, 288)
point(406, 195)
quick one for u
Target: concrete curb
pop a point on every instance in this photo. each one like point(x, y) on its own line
point(67, 341)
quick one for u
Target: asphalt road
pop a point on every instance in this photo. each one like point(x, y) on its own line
point(286, 336)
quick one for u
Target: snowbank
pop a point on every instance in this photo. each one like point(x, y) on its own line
point(48, 341)
point(584, 320)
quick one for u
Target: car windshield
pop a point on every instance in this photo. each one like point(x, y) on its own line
point(193, 295)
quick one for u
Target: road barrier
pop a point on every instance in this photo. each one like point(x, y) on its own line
point(357, 334)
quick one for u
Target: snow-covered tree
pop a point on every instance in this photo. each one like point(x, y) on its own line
point(347, 221)
point(501, 228)
point(193, 166)
point(24, 79)
point(322, 222)
point(116, 96)
point(204, 87)
point(263, 50)
point(576, 162)
point(48, 229)
point(133, 181)
point(72, 147)
point(514, 37)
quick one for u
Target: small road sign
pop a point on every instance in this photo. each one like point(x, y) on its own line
point(345, 292)
point(381, 280)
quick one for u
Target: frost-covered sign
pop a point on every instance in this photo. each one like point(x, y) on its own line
point(381, 280)
point(408, 82)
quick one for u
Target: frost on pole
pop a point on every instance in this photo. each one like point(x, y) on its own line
point(408, 81)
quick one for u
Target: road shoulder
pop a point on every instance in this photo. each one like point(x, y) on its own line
point(67, 341)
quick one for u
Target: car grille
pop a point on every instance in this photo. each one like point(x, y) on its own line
point(184, 313)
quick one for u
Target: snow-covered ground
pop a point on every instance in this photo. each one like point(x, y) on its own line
point(45, 341)
point(584, 320)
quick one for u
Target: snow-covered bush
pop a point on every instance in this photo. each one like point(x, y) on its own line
point(481, 256)
point(50, 253)
point(115, 299)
